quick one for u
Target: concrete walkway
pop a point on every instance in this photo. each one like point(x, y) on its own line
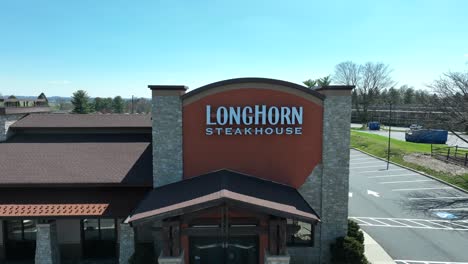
point(374, 252)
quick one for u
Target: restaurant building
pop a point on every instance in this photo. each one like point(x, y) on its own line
point(247, 170)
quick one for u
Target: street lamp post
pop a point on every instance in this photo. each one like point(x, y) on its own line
point(389, 134)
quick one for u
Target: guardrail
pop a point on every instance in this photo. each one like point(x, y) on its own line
point(453, 154)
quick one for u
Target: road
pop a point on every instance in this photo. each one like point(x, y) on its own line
point(382, 202)
point(452, 140)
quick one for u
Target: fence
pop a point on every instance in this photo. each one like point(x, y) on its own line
point(456, 154)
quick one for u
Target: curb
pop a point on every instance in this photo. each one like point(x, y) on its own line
point(374, 252)
point(411, 169)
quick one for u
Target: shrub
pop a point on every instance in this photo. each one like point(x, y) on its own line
point(349, 249)
point(355, 232)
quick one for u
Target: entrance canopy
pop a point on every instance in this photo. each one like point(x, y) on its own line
point(220, 187)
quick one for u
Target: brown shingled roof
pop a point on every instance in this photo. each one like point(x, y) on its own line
point(85, 163)
point(83, 121)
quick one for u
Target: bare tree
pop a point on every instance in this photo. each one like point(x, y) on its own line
point(369, 79)
point(452, 99)
point(451, 91)
point(421, 203)
point(347, 73)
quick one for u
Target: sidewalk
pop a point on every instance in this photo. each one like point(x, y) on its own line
point(374, 252)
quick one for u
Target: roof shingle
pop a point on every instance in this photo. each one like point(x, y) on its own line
point(88, 163)
point(84, 121)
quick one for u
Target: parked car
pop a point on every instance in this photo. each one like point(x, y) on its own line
point(415, 126)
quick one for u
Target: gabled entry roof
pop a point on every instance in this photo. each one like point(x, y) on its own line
point(219, 187)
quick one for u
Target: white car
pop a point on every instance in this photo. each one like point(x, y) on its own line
point(415, 126)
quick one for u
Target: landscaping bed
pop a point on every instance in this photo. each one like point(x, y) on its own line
point(412, 155)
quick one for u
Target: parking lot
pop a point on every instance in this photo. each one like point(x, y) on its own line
point(416, 219)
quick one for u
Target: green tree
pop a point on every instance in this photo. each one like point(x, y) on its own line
point(394, 96)
point(103, 105)
point(80, 101)
point(98, 104)
point(310, 83)
point(118, 105)
point(324, 81)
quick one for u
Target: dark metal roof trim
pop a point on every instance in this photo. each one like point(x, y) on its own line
point(254, 80)
point(335, 87)
point(168, 87)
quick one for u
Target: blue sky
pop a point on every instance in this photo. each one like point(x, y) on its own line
point(119, 47)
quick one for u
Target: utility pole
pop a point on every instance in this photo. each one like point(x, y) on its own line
point(132, 105)
point(389, 134)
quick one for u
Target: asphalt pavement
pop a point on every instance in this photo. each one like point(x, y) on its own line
point(407, 213)
point(397, 133)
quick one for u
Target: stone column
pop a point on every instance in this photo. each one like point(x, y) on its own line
point(167, 133)
point(335, 166)
point(126, 243)
point(47, 248)
point(2, 243)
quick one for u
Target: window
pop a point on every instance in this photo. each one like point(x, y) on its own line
point(300, 234)
point(20, 236)
point(99, 229)
point(21, 230)
point(99, 237)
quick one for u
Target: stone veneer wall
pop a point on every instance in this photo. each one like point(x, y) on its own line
point(167, 144)
point(2, 244)
point(5, 122)
point(333, 176)
point(126, 243)
point(311, 190)
point(47, 248)
point(167, 139)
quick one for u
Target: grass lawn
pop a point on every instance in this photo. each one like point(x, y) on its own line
point(377, 145)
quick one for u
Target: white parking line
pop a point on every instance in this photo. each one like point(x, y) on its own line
point(449, 209)
point(437, 224)
point(405, 181)
point(414, 222)
point(393, 220)
point(439, 198)
point(351, 161)
point(455, 225)
point(373, 219)
point(364, 167)
point(451, 223)
point(420, 189)
point(362, 158)
point(398, 175)
point(426, 262)
point(363, 162)
point(381, 170)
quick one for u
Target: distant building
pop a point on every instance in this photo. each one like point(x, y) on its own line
point(13, 109)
